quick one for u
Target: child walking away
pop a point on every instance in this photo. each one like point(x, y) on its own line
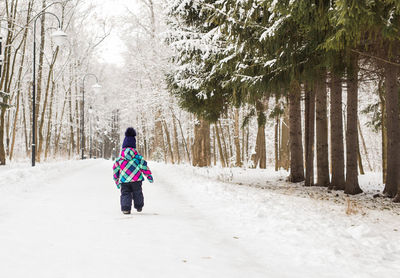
point(129, 169)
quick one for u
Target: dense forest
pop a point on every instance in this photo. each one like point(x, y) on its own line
point(311, 54)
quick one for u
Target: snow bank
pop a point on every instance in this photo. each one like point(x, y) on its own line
point(312, 234)
point(21, 177)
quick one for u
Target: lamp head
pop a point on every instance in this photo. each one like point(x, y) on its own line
point(59, 37)
point(96, 88)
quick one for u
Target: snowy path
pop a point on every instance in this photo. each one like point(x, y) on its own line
point(71, 226)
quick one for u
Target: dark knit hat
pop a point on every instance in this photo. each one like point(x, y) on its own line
point(130, 140)
point(130, 132)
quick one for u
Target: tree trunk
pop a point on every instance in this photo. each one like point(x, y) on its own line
point(381, 92)
point(176, 141)
point(221, 153)
point(247, 142)
point(5, 79)
point(18, 87)
point(229, 137)
point(321, 122)
point(295, 136)
point(277, 160)
point(144, 151)
point(184, 141)
point(78, 131)
point(284, 146)
point(260, 157)
point(337, 147)
point(364, 146)
point(169, 142)
point(58, 130)
point(14, 125)
point(393, 124)
point(351, 186)
point(40, 74)
point(225, 149)
point(263, 149)
point(158, 148)
point(164, 147)
point(77, 109)
point(49, 122)
point(236, 138)
point(202, 144)
point(71, 120)
point(24, 121)
point(243, 142)
point(309, 135)
point(214, 147)
point(44, 108)
point(359, 159)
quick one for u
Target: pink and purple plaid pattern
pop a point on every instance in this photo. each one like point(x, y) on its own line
point(130, 167)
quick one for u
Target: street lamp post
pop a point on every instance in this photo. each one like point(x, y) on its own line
point(59, 37)
point(90, 131)
point(95, 87)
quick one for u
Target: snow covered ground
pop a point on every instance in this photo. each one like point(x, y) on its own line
point(63, 219)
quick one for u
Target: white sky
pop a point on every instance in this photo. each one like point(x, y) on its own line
point(112, 47)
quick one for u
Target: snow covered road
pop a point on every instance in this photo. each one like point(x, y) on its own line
point(64, 220)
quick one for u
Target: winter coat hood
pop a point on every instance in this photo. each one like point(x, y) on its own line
point(128, 153)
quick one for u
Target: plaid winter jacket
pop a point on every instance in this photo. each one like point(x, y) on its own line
point(130, 167)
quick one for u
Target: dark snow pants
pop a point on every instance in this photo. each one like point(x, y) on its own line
point(129, 191)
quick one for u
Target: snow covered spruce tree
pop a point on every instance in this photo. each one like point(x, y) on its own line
point(260, 68)
point(196, 46)
point(364, 30)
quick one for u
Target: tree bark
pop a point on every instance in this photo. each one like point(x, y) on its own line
point(309, 136)
point(24, 121)
point(351, 186)
point(49, 121)
point(71, 121)
point(295, 134)
point(381, 92)
point(321, 122)
point(276, 144)
point(176, 141)
point(393, 124)
point(214, 147)
point(202, 144)
point(44, 108)
point(60, 126)
point(359, 159)
point(5, 80)
point(40, 75)
point(221, 153)
point(225, 149)
point(236, 138)
point(18, 87)
point(284, 146)
point(229, 137)
point(158, 136)
point(184, 141)
point(260, 157)
point(169, 142)
point(337, 147)
point(364, 146)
